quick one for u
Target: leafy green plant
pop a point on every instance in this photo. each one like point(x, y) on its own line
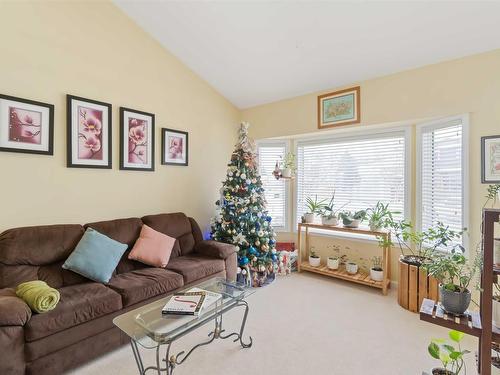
point(348, 217)
point(329, 211)
point(451, 358)
point(289, 161)
point(336, 253)
point(492, 195)
point(312, 252)
point(377, 263)
point(315, 206)
point(380, 216)
point(453, 270)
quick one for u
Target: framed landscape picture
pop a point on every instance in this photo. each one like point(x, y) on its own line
point(88, 133)
point(339, 108)
point(490, 159)
point(137, 140)
point(26, 126)
point(174, 147)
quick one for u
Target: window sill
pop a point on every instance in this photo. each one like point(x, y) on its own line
point(341, 235)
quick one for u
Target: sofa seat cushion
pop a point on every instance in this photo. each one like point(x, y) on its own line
point(195, 267)
point(79, 304)
point(139, 285)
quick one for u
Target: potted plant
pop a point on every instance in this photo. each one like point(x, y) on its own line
point(329, 214)
point(352, 220)
point(333, 262)
point(376, 270)
point(454, 273)
point(314, 260)
point(314, 207)
point(380, 216)
point(351, 267)
point(451, 358)
point(288, 165)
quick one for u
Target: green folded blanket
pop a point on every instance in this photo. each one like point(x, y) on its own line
point(38, 295)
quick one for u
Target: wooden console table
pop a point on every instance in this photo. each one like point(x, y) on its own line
point(360, 277)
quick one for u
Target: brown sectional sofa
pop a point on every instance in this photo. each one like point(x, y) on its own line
point(80, 327)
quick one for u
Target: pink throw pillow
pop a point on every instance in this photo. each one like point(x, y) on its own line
point(152, 247)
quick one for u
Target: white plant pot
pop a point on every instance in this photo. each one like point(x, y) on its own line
point(496, 313)
point(376, 275)
point(286, 172)
point(351, 268)
point(354, 224)
point(315, 262)
point(496, 252)
point(333, 221)
point(333, 263)
point(375, 227)
point(309, 218)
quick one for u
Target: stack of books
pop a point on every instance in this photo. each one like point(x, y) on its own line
point(191, 302)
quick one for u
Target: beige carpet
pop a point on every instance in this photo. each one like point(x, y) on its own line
point(308, 324)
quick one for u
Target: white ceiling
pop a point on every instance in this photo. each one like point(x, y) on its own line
point(255, 52)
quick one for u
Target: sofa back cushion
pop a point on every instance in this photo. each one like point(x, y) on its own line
point(37, 253)
point(125, 231)
point(175, 225)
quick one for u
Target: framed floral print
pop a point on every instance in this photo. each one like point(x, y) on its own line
point(339, 108)
point(26, 126)
point(88, 133)
point(137, 140)
point(174, 147)
point(490, 159)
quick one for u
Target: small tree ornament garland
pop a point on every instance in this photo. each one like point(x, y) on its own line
point(242, 218)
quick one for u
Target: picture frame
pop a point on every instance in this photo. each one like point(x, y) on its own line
point(89, 133)
point(26, 126)
point(490, 159)
point(341, 107)
point(137, 140)
point(174, 147)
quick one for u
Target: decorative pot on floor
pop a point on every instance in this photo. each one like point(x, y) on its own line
point(308, 218)
point(351, 268)
point(454, 302)
point(376, 274)
point(333, 263)
point(330, 221)
point(415, 285)
point(314, 261)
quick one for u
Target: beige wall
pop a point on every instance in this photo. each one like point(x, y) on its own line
point(469, 85)
point(92, 49)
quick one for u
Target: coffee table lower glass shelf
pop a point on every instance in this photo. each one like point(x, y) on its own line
point(148, 328)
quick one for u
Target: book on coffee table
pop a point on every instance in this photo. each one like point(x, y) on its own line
point(210, 297)
point(186, 303)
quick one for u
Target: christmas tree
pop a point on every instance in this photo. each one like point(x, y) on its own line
point(242, 216)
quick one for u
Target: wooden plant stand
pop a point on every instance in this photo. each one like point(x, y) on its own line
point(360, 277)
point(414, 286)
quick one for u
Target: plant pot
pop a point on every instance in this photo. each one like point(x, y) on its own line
point(496, 313)
point(333, 263)
point(308, 218)
point(352, 224)
point(454, 302)
point(375, 227)
point(496, 252)
point(351, 268)
point(286, 172)
point(376, 274)
point(314, 261)
point(330, 221)
point(441, 371)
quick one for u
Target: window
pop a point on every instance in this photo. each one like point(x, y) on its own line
point(275, 190)
point(441, 194)
point(361, 171)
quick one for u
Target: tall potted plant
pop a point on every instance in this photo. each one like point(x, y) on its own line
point(314, 207)
point(454, 272)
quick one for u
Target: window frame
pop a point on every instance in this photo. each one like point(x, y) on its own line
point(357, 134)
point(286, 144)
point(435, 125)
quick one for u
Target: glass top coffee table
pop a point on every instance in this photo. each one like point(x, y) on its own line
point(148, 328)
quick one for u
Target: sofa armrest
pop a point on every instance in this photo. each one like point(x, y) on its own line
point(215, 249)
point(13, 310)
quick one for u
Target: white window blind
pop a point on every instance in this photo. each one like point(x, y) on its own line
point(441, 175)
point(274, 190)
point(361, 170)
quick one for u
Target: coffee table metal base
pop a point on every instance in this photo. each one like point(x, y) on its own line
point(171, 361)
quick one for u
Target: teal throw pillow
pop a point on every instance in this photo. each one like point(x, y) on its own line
point(96, 256)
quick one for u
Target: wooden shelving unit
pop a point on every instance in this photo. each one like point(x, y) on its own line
point(479, 324)
point(360, 277)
